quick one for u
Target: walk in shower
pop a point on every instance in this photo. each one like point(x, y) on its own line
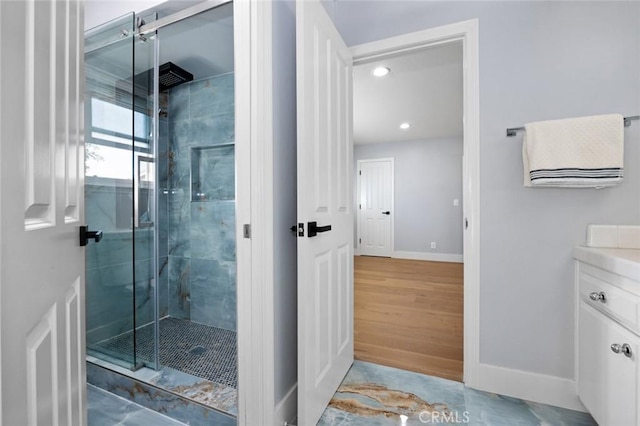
point(160, 184)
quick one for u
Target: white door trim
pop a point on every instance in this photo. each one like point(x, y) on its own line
point(393, 201)
point(467, 32)
point(254, 204)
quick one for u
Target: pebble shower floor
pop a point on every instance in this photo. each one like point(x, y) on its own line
point(207, 352)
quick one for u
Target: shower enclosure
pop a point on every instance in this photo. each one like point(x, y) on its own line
point(160, 184)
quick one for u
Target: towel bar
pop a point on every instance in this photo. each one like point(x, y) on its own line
point(514, 130)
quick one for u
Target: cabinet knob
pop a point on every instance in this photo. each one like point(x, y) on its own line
point(595, 296)
point(626, 350)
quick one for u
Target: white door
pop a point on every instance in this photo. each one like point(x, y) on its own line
point(375, 207)
point(325, 261)
point(41, 178)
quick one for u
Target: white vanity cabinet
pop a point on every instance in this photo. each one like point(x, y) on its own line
point(608, 334)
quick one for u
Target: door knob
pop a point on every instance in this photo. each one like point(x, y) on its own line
point(595, 296)
point(387, 213)
point(86, 235)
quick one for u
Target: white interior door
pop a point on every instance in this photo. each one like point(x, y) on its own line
point(375, 207)
point(41, 197)
point(325, 261)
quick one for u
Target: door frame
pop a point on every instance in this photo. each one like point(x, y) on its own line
point(253, 29)
point(467, 33)
point(393, 202)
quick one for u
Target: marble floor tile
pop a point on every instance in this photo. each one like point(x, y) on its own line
point(107, 409)
point(375, 395)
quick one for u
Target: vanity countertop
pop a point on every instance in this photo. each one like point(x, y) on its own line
point(625, 262)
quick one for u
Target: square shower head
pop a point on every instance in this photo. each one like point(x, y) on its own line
point(171, 75)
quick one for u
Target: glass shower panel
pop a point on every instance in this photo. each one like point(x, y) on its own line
point(118, 190)
point(109, 190)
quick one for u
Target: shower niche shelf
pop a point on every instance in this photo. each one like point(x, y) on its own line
point(213, 172)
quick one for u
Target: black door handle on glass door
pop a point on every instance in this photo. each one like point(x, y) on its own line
point(86, 235)
point(387, 213)
point(313, 229)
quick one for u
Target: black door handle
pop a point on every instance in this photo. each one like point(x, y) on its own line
point(86, 235)
point(387, 213)
point(313, 229)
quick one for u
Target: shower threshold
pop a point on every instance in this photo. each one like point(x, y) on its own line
point(199, 362)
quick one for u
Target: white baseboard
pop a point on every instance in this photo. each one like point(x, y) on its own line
point(356, 252)
point(433, 257)
point(534, 387)
point(287, 409)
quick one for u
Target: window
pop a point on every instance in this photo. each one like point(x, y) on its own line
point(119, 167)
point(112, 134)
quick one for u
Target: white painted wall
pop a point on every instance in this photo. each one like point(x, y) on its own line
point(538, 60)
point(428, 177)
point(285, 208)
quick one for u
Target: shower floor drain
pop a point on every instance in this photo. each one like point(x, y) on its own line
point(198, 350)
point(203, 351)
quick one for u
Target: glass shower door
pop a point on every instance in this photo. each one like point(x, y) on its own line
point(118, 184)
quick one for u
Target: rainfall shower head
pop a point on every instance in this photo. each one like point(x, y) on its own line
point(141, 85)
point(171, 75)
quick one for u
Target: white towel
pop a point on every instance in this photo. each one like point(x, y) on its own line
point(584, 152)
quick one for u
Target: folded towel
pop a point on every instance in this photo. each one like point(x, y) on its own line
point(585, 152)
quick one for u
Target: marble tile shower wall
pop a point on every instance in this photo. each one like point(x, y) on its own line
point(200, 254)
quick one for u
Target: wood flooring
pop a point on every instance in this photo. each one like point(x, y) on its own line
point(409, 314)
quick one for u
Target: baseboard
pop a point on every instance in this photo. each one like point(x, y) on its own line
point(534, 387)
point(287, 409)
point(356, 252)
point(433, 257)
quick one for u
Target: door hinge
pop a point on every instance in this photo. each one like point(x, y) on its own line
point(360, 172)
point(360, 240)
point(360, 206)
point(466, 223)
point(246, 230)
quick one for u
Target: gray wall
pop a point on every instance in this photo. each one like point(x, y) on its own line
point(538, 60)
point(428, 176)
point(285, 213)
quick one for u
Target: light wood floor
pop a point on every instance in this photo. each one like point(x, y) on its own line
point(408, 314)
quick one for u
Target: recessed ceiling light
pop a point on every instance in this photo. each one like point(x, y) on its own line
point(405, 126)
point(380, 71)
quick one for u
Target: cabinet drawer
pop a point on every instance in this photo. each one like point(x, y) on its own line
point(607, 381)
point(616, 302)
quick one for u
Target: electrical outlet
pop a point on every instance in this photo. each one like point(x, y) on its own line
point(433, 244)
point(456, 202)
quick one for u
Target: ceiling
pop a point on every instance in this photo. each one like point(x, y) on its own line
point(424, 89)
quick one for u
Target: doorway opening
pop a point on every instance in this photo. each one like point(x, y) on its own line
point(408, 149)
